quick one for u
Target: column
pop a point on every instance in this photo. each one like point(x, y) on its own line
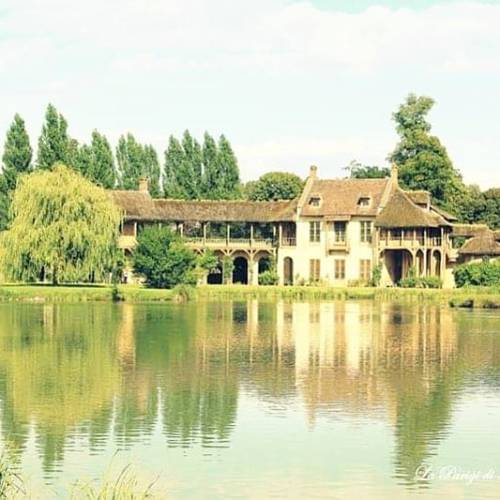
point(228, 233)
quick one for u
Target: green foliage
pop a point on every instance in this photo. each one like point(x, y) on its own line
point(54, 143)
point(422, 160)
point(376, 275)
point(4, 204)
point(486, 273)
point(63, 226)
point(204, 264)
point(102, 165)
point(180, 179)
point(230, 173)
point(211, 174)
point(359, 171)
point(480, 207)
point(136, 161)
point(227, 268)
point(17, 153)
point(152, 170)
point(275, 186)
point(412, 281)
point(162, 258)
point(11, 483)
point(269, 277)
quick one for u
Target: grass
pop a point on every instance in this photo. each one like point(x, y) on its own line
point(463, 297)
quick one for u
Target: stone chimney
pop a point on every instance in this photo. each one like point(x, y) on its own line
point(394, 175)
point(144, 185)
point(313, 171)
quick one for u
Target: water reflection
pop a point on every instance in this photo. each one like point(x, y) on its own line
point(91, 373)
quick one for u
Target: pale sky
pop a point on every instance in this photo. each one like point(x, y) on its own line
point(290, 83)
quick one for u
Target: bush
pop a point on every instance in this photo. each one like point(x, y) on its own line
point(485, 273)
point(162, 258)
point(425, 282)
point(269, 277)
point(376, 275)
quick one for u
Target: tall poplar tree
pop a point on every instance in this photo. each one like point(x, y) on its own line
point(152, 170)
point(17, 152)
point(103, 170)
point(230, 172)
point(130, 157)
point(53, 143)
point(211, 174)
point(175, 170)
point(194, 158)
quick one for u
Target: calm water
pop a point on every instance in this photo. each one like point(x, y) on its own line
point(254, 400)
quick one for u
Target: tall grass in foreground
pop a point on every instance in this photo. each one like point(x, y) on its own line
point(11, 484)
point(125, 487)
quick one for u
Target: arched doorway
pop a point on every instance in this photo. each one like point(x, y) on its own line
point(288, 271)
point(264, 264)
point(215, 277)
point(419, 263)
point(398, 264)
point(240, 271)
point(437, 262)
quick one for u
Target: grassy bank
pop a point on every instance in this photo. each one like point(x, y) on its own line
point(463, 297)
point(75, 294)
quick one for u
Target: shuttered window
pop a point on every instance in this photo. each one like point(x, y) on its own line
point(365, 269)
point(314, 270)
point(340, 269)
point(314, 231)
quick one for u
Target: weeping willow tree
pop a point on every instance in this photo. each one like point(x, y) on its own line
point(63, 227)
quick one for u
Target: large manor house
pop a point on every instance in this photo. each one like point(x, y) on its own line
point(335, 233)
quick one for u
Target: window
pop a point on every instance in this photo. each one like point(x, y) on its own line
point(340, 269)
point(314, 201)
point(364, 201)
point(366, 231)
point(314, 231)
point(365, 269)
point(339, 229)
point(314, 269)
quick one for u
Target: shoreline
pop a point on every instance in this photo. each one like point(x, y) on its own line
point(487, 298)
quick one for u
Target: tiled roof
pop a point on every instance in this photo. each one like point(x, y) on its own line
point(341, 197)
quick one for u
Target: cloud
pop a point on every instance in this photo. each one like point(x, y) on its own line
point(263, 72)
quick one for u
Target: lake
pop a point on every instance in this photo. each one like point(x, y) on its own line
point(254, 400)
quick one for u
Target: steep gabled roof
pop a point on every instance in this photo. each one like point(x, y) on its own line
point(484, 243)
point(341, 196)
point(420, 197)
point(400, 211)
point(446, 215)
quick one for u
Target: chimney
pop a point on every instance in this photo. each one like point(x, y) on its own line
point(394, 175)
point(144, 185)
point(313, 171)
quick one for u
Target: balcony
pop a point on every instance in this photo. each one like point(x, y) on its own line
point(333, 245)
point(288, 241)
point(230, 243)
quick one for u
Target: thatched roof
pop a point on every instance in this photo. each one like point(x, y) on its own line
point(419, 197)
point(341, 196)
point(446, 215)
point(484, 243)
point(400, 211)
point(468, 230)
point(140, 206)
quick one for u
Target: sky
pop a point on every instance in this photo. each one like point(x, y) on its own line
point(290, 83)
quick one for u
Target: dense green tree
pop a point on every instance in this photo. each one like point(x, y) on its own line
point(228, 167)
point(211, 173)
point(17, 152)
point(152, 170)
point(102, 170)
point(83, 159)
point(178, 176)
point(275, 186)
point(162, 258)
point(422, 160)
point(360, 171)
point(53, 143)
point(194, 158)
point(4, 203)
point(475, 206)
point(130, 157)
point(63, 226)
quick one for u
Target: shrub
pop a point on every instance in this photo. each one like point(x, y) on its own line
point(162, 258)
point(376, 275)
point(424, 282)
point(227, 269)
point(485, 273)
point(269, 277)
